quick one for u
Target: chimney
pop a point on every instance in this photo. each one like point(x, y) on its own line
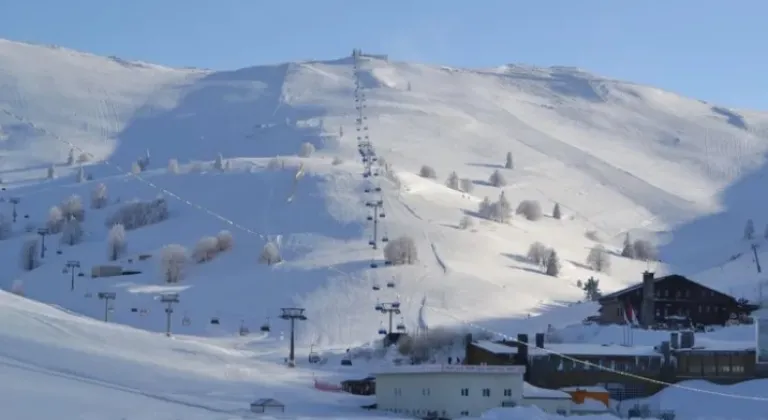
point(540, 340)
point(522, 349)
point(666, 352)
point(648, 306)
point(687, 340)
point(674, 340)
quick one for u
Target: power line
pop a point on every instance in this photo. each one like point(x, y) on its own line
point(604, 368)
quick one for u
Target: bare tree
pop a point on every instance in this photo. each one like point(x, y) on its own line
point(29, 255)
point(530, 209)
point(453, 181)
point(401, 251)
point(173, 166)
point(55, 220)
point(427, 172)
point(538, 253)
point(270, 254)
point(306, 149)
point(485, 208)
point(206, 249)
point(497, 179)
point(509, 164)
point(556, 214)
point(466, 185)
point(599, 259)
point(501, 209)
point(173, 262)
point(116, 242)
point(224, 240)
point(99, 197)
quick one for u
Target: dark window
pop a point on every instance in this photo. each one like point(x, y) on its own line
point(464, 392)
point(486, 392)
point(507, 392)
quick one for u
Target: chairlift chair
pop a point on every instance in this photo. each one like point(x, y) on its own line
point(265, 326)
point(58, 251)
point(369, 218)
point(372, 243)
point(243, 331)
point(382, 330)
point(387, 262)
point(185, 321)
point(401, 325)
point(215, 321)
point(373, 264)
point(378, 306)
point(382, 215)
point(385, 239)
point(391, 284)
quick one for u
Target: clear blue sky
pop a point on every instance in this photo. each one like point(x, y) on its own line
point(708, 49)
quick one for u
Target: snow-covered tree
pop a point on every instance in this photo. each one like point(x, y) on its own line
point(173, 260)
point(80, 175)
point(274, 164)
point(55, 220)
point(17, 287)
point(501, 209)
point(749, 230)
point(497, 179)
point(427, 172)
point(593, 235)
point(466, 185)
point(83, 157)
point(116, 242)
point(71, 157)
point(29, 256)
point(136, 214)
point(218, 164)
point(465, 222)
point(591, 289)
point(401, 251)
point(599, 259)
point(553, 264)
point(6, 227)
point(224, 240)
point(72, 232)
point(538, 253)
point(628, 250)
point(556, 213)
point(270, 254)
point(530, 209)
point(135, 168)
point(173, 166)
point(99, 196)
point(509, 164)
point(484, 209)
point(306, 149)
point(453, 181)
point(337, 161)
point(51, 172)
point(206, 249)
point(644, 250)
point(72, 207)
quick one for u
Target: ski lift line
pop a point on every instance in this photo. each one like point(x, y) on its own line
point(604, 368)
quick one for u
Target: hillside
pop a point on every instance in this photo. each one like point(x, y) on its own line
point(617, 157)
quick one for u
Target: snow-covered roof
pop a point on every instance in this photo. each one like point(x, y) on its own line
point(530, 391)
point(439, 368)
point(495, 348)
point(584, 349)
point(705, 344)
point(591, 388)
point(589, 405)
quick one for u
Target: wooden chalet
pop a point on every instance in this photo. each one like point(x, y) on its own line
point(671, 301)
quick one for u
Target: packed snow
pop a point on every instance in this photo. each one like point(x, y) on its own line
point(226, 151)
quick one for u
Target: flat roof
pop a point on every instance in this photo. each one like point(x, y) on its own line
point(571, 349)
point(495, 348)
point(441, 368)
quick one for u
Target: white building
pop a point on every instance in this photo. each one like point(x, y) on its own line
point(548, 400)
point(448, 390)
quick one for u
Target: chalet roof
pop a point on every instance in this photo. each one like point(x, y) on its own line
point(267, 402)
point(656, 281)
point(571, 349)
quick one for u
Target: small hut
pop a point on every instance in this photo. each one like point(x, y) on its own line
point(267, 405)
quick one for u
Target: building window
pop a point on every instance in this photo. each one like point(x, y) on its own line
point(464, 392)
point(398, 392)
point(737, 369)
point(425, 391)
point(507, 392)
point(465, 413)
point(561, 411)
point(486, 392)
point(724, 368)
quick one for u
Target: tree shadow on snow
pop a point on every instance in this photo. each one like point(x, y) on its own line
point(519, 258)
point(486, 165)
point(580, 265)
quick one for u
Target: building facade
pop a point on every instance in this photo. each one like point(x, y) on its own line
point(448, 391)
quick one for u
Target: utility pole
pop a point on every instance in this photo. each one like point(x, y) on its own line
point(389, 308)
point(106, 297)
point(70, 267)
point(376, 206)
point(292, 314)
point(169, 299)
point(42, 232)
point(757, 259)
point(14, 201)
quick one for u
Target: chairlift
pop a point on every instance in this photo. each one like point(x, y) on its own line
point(384, 239)
point(373, 264)
point(376, 286)
point(313, 357)
point(185, 321)
point(372, 243)
point(396, 304)
point(135, 310)
point(391, 284)
point(265, 326)
point(401, 325)
point(81, 274)
point(243, 331)
point(387, 262)
point(58, 251)
point(382, 215)
point(346, 362)
point(382, 330)
point(378, 306)
point(215, 321)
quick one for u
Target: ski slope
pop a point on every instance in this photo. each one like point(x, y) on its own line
point(617, 157)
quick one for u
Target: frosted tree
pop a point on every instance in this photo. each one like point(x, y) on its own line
point(173, 262)
point(538, 253)
point(427, 171)
point(270, 254)
point(51, 172)
point(591, 289)
point(599, 259)
point(497, 179)
point(218, 164)
point(224, 240)
point(71, 157)
point(116, 242)
point(274, 164)
point(466, 185)
point(530, 209)
point(644, 250)
point(80, 175)
point(29, 255)
point(135, 168)
point(227, 165)
point(502, 209)
point(173, 166)
point(337, 161)
point(72, 207)
point(453, 181)
point(465, 222)
point(55, 220)
point(484, 209)
point(206, 249)
point(556, 214)
point(6, 227)
point(628, 250)
point(83, 157)
point(509, 164)
point(306, 149)
point(401, 251)
point(553, 265)
point(17, 287)
point(749, 230)
point(99, 197)
point(72, 232)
